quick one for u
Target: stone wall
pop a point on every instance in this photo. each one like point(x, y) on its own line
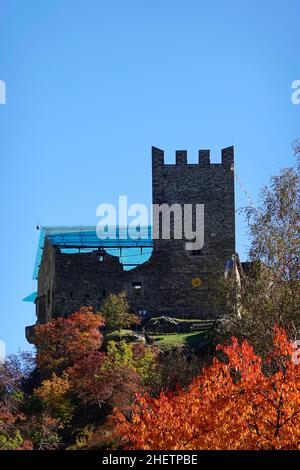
point(46, 280)
point(83, 279)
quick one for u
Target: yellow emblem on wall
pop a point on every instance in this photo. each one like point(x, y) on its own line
point(196, 282)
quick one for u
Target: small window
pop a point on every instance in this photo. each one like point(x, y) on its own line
point(87, 296)
point(41, 309)
point(101, 258)
point(137, 287)
point(71, 295)
point(103, 294)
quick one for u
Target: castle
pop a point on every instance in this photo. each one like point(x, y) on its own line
point(77, 271)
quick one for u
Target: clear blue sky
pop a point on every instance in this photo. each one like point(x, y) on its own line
point(92, 84)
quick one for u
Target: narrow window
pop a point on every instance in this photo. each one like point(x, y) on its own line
point(41, 309)
point(137, 287)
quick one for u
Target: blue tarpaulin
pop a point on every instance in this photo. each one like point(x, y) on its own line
point(30, 297)
point(132, 246)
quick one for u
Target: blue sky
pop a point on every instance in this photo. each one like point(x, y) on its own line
point(92, 84)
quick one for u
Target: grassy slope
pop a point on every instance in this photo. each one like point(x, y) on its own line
point(169, 340)
point(179, 339)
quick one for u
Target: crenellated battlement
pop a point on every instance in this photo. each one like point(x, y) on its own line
point(158, 160)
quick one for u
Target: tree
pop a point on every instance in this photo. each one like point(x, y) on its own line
point(176, 367)
point(64, 340)
point(13, 373)
point(296, 147)
point(97, 380)
point(85, 379)
point(137, 356)
point(269, 291)
point(233, 404)
point(115, 311)
point(39, 407)
point(53, 393)
point(43, 431)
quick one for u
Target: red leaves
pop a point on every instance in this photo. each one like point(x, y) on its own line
point(84, 378)
point(69, 347)
point(243, 360)
point(282, 346)
point(64, 340)
point(233, 405)
point(92, 381)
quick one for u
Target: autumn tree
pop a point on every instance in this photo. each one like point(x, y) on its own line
point(139, 357)
point(74, 378)
point(233, 404)
point(113, 377)
point(269, 289)
point(13, 372)
point(85, 379)
point(109, 380)
point(62, 341)
point(95, 380)
point(117, 314)
point(55, 400)
point(43, 431)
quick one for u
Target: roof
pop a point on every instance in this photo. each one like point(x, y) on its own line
point(131, 246)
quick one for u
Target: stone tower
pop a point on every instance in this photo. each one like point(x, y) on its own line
point(183, 273)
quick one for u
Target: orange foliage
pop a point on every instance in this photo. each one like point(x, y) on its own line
point(64, 340)
point(232, 405)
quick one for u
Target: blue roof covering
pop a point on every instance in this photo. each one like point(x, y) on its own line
point(30, 297)
point(132, 246)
